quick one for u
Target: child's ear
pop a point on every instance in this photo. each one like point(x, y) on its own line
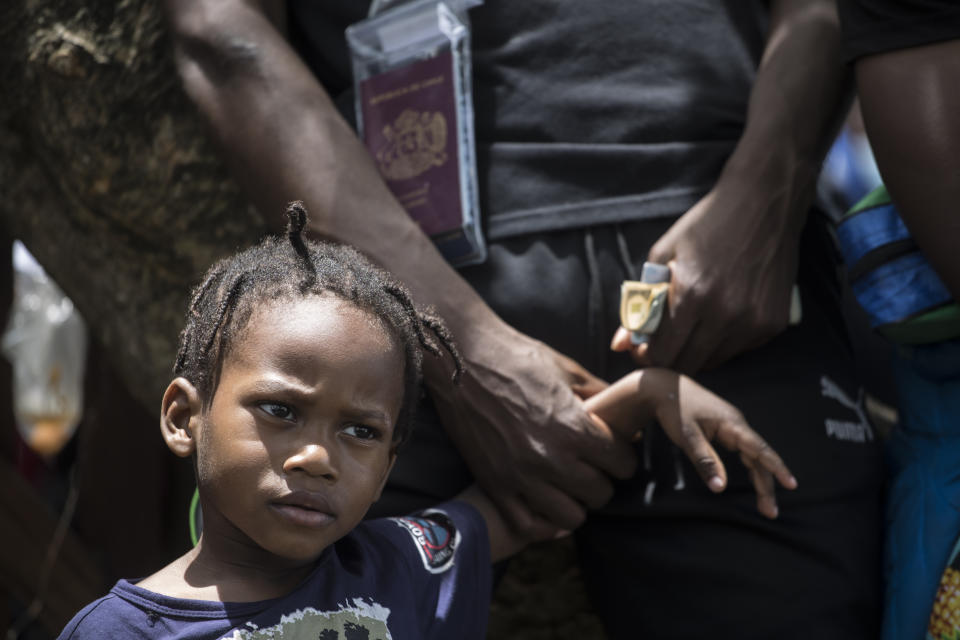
point(180, 414)
point(386, 473)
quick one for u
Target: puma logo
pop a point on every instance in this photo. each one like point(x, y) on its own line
point(852, 431)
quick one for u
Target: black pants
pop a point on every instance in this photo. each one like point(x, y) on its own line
point(667, 558)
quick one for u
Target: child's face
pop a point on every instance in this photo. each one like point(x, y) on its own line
point(296, 443)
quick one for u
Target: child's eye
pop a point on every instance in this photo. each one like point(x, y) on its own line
point(361, 431)
point(277, 410)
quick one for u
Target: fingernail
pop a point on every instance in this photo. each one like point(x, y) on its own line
point(793, 482)
point(716, 484)
point(563, 533)
point(776, 511)
point(616, 339)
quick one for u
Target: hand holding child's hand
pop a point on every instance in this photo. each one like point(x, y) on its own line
point(692, 416)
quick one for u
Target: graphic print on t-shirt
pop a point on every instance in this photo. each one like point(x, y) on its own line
point(359, 621)
point(852, 431)
point(435, 536)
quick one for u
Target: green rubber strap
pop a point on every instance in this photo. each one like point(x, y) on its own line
point(877, 198)
point(937, 325)
point(194, 504)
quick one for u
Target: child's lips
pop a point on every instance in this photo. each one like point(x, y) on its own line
point(304, 509)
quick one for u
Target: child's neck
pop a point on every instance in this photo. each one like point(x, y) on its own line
point(207, 574)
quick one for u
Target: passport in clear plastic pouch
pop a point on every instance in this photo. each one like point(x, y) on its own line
point(412, 80)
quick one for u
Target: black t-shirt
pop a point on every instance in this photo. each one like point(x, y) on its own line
point(877, 26)
point(585, 113)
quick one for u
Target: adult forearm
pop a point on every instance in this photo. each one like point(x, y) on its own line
point(284, 139)
point(799, 99)
point(734, 254)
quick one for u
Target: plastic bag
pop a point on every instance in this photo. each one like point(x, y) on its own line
point(412, 79)
point(46, 343)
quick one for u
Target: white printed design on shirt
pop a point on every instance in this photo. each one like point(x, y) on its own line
point(859, 431)
point(367, 620)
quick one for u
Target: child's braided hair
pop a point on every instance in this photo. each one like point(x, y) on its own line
point(282, 268)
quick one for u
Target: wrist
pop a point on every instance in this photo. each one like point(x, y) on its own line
point(780, 180)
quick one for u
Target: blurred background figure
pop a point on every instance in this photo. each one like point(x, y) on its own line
point(906, 56)
point(850, 168)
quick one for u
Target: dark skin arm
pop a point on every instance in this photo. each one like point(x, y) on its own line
point(517, 417)
point(733, 255)
point(910, 100)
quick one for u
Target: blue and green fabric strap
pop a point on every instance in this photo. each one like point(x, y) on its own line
point(891, 279)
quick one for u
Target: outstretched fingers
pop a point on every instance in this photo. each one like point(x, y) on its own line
point(735, 434)
point(761, 460)
point(766, 493)
point(688, 435)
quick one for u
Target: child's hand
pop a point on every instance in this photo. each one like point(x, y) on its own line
point(691, 417)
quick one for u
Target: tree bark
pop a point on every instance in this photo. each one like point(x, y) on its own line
point(107, 175)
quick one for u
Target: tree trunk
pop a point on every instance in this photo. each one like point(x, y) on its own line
point(107, 175)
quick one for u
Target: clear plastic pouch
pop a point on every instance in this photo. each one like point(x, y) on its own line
point(412, 79)
point(46, 343)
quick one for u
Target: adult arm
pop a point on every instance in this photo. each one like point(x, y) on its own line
point(910, 100)
point(734, 254)
point(515, 418)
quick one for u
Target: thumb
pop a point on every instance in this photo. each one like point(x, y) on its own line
point(663, 250)
point(621, 340)
point(588, 387)
point(618, 430)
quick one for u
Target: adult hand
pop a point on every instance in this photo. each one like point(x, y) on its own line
point(734, 254)
point(733, 263)
point(518, 419)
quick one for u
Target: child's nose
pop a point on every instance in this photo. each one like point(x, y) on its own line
point(314, 459)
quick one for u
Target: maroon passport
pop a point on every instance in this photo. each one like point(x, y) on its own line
point(410, 129)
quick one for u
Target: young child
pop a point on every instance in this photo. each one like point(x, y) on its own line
point(297, 376)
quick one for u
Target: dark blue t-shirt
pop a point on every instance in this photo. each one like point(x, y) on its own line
point(418, 577)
